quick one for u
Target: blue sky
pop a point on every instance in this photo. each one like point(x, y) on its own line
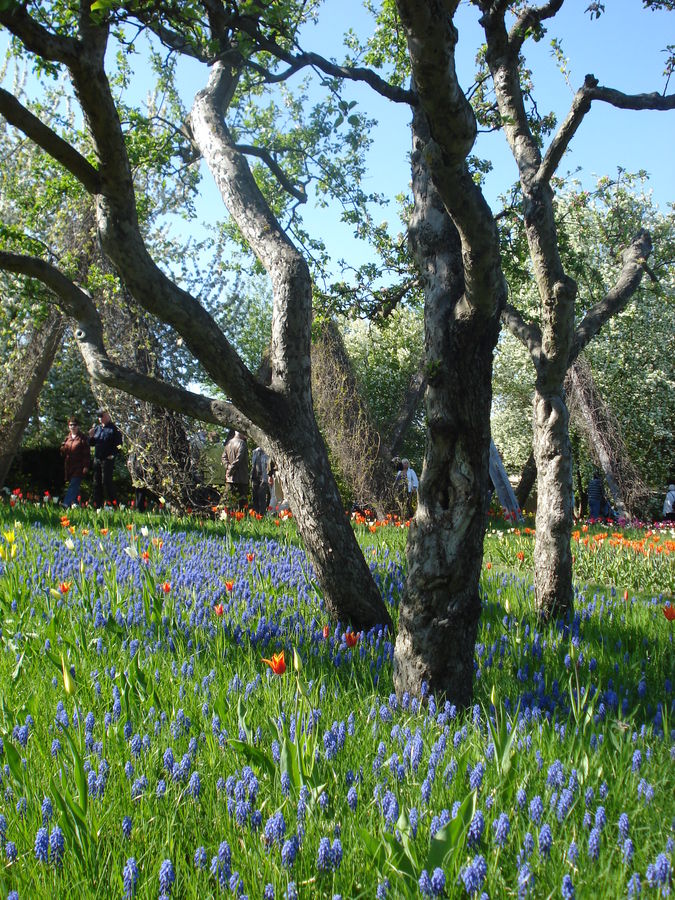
point(623, 49)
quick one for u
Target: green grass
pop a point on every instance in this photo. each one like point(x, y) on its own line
point(583, 697)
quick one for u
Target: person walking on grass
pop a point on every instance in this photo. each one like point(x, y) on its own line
point(106, 439)
point(235, 460)
point(76, 461)
point(260, 481)
point(669, 505)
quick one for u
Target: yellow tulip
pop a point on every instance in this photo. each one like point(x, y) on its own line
point(68, 683)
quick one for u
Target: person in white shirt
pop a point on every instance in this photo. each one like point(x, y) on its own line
point(406, 477)
point(669, 504)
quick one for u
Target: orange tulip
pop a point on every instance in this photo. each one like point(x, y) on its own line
point(166, 587)
point(520, 555)
point(64, 587)
point(145, 556)
point(104, 531)
point(351, 638)
point(625, 596)
point(488, 565)
point(669, 612)
point(326, 632)
point(218, 609)
point(250, 557)
point(229, 585)
point(277, 664)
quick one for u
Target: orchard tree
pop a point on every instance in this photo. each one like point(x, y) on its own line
point(554, 342)
point(629, 362)
point(453, 235)
point(278, 414)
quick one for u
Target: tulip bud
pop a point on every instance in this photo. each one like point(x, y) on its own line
point(68, 683)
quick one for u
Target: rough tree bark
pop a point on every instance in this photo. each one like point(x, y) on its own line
point(279, 415)
point(451, 230)
point(21, 393)
point(526, 482)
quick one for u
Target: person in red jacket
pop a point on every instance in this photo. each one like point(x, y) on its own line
point(76, 459)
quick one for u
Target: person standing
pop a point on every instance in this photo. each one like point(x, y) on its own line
point(106, 439)
point(669, 504)
point(596, 497)
point(406, 484)
point(235, 460)
point(76, 461)
point(260, 481)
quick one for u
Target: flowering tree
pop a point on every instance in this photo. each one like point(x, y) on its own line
point(454, 238)
point(102, 162)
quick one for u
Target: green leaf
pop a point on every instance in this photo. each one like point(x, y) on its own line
point(254, 755)
point(80, 776)
point(289, 762)
point(450, 838)
point(397, 858)
point(374, 848)
point(17, 669)
point(243, 724)
point(14, 761)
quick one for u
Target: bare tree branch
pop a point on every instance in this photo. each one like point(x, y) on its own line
point(409, 405)
point(634, 263)
point(78, 304)
point(633, 101)
point(581, 104)
point(528, 333)
point(251, 150)
point(23, 119)
point(451, 126)
point(303, 59)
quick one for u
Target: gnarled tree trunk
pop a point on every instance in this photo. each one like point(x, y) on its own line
point(553, 457)
point(440, 608)
point(355, 445)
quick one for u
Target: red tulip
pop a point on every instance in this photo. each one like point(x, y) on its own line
point(277, 664)
point(218, 609)
point(351, 638)
point(669, 612)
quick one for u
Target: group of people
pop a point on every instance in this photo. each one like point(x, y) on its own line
point(260, 479)
point(600, 508)
point(106, 440)
point(261, 476)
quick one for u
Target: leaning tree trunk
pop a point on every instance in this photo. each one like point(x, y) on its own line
point(441, 605)
point(355, 445)
point(349, 592)
point(594, 418)
point(24, 386)
point(553, 458)
point(528, 478)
